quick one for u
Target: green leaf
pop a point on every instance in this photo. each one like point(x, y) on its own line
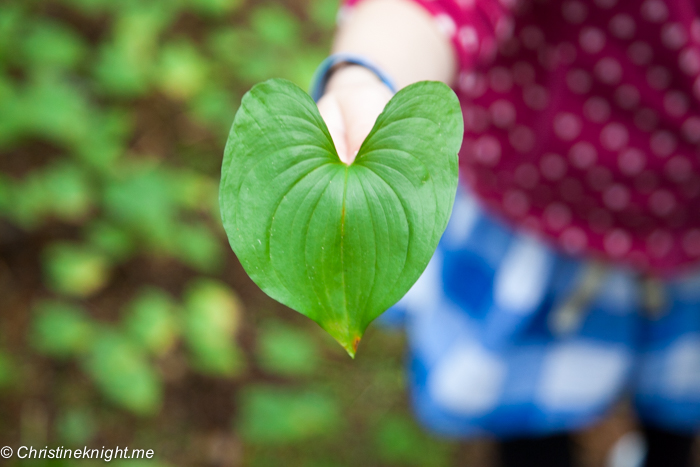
point(400, 441)
point(123, 374)
point(60, 329)
point(211, 320)
point(76, 425)
point(286, 351)
point(273, 415)
point(275, 26)
point(75, 270)
point(150, 320)
point(8, 370)
point(339, 244)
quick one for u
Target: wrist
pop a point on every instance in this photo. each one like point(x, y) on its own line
point(345, 60)
point(349, 75)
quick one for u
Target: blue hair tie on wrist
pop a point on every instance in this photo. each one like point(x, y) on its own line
point(322, 74)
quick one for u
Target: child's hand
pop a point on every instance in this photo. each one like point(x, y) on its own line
point(353, 100)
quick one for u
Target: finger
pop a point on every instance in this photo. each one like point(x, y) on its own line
point(329, 108)
point(360, 116)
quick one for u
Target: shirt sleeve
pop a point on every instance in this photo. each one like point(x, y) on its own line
point(474, 27)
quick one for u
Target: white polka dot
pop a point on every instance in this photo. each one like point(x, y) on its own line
point(614, 136)
point(557, 216)
point(592, 40)
point(654, 11)
point(599, 177)
point(658, 77)
point(468, 380)
point(622, 26)
point(606, 4)
point(574, 12)
point(466, 4)
point(691, 130)
point(516, 203)
point(691, 242)
point(489, 49)
point(502, 113)
point(616, 197)
point(662, 202)
point(522, 138)
point(676, 103)
point(646, 119)
point(504, 28)
point(469, 39)
point(631, 161)
point(532, 37)
point(536, 97)
point(673, 36)
point(501, 79)
point(640, 53)
point(695, 30)
point(662, 143)
point(574, 240)
point(617, 243)
point(608, 70)
point(446, 25)
point(583, 154)
point(689, 61)
point(659, 243)
point(527, 176)
point(487, 150)
point(579, 81)
point(679, 169)
point(597, 109)
point(473, 84)
point(553, 166)
point(523, 73)
point(567, 126)
point(627, 96)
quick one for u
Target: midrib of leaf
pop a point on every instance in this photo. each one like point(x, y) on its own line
point(343, 215)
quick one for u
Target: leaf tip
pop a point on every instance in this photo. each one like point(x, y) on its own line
point(350, 345)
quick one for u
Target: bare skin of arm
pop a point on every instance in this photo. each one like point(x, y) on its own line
point(402, 39)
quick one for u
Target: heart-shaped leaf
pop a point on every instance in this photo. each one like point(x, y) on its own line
point(339, 244)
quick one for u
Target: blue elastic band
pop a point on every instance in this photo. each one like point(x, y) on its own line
point(320, 79)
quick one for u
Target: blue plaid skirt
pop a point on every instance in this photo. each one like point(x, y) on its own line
point(510, 337)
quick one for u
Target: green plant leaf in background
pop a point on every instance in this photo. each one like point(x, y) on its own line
point(272, 415)
point(75, 269)
point(60, 329)
point(339, 244)
point(210, 323)
point(287, 351)
point(122, 372)
point(151, 321)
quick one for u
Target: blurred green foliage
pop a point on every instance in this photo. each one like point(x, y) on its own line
point(124, 316)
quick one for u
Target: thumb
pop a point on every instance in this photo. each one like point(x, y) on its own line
point(332, 114)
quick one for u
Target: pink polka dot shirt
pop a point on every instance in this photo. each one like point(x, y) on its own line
point(582, 121)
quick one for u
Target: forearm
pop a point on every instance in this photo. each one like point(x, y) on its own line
point(398, 36)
